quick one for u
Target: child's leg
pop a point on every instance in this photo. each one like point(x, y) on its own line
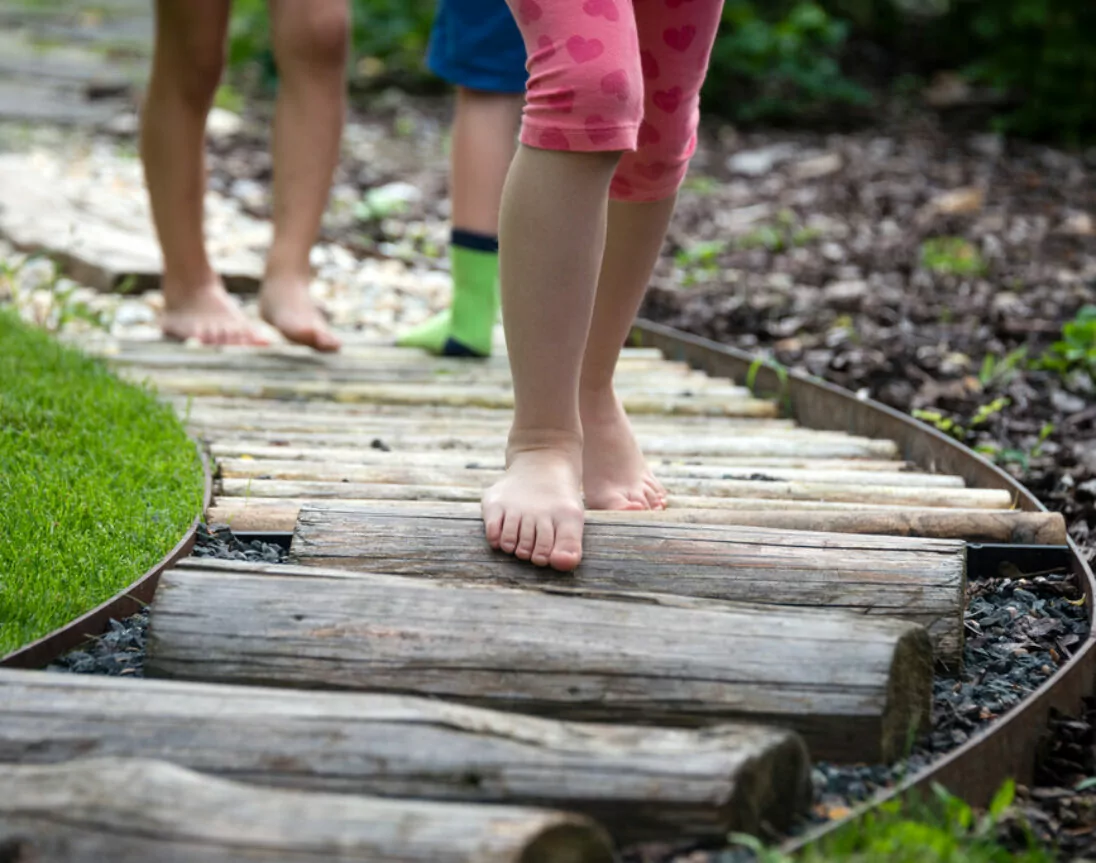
point(552, 235)
point(186, 69)
point(475, 45)
point(583, 96)
point(311, 46)
point(676, 44)
point(483, 146)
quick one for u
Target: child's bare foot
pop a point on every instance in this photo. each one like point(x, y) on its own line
point(285, 304)
point(535, 512)
point(615, 475)
point(210, 315)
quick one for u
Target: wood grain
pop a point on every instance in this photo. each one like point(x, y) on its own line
point(854, 687)
point(1005, 526)
point(140, 810)
point(641, 783)
point(919, 580)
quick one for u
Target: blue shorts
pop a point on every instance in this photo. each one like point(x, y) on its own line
point(476, 44)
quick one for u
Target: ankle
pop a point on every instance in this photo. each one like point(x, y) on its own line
point(597, 398)
point(549, 441)
point(282, 271)
point(180, 292)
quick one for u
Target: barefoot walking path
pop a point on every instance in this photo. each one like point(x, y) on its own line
point(789, 604)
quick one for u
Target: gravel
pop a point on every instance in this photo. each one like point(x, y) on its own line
point(121, 651)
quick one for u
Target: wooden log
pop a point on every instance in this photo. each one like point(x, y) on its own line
point(454, 396)
point(140, 810)
point(971, 525)
point(900, 471)
point(641, 783)
point(854, 687)
point(411, 475)
point(352, 350)
point(817, 446)
point(322, 462)
point(364, 416)
point(919, 580)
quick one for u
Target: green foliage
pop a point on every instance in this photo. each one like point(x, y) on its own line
point(1042, 52)
point(952, 256)
point(953, 427)
point(98, 479)
point(389, 37)
point(1000, 371)
point(1076, 350)
point(775, 62)
point(945, 830)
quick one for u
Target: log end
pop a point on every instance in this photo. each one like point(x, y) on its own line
point(774, 789)
point(908, 710)
point(569, 839)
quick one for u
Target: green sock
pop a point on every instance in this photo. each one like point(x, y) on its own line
point(467, 328)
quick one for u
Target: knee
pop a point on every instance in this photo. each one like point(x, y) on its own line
point(318, 37)
point(193, 69)
point(657, 168)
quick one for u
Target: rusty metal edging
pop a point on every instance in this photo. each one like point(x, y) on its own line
point(126, 602)
point(1007, 748)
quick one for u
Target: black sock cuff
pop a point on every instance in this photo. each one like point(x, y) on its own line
point(475, 241)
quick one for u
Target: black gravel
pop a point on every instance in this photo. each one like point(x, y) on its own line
point(121, 651)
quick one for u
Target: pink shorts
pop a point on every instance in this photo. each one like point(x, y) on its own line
point(624, 75)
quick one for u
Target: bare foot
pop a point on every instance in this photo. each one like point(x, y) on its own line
point(615, 475)
point(535, 512)
point(285, 304)
point(210, 315)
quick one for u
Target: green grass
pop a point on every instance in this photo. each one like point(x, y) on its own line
point(98, 481)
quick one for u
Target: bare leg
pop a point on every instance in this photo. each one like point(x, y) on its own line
point(551, 239)
point(311, 49)
point(484, 129)
point(615, 473)
point(186, 69)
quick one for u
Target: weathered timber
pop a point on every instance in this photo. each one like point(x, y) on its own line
point(683, 402)
point(319, 460)
point(738, 444)
point(854, 687)
point(453, 477)
point(641, 783)
point(140, 810)
point(972, 525)
point(893, 472)
point(920, 580)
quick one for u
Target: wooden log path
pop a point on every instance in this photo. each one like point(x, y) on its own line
point(789, 603)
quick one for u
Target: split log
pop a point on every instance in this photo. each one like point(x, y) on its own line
point(641, 783)
point(919, 580)
point(357, 476)
point(335, 459)
point(138, 810)
point(972, 525)
point(854, 687)
point(736, 444)
point(682, 401)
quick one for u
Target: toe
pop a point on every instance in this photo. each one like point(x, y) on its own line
point(527, 539)
point(492, 523)
point(546, 534)
point(567, 550)
point(511, 526)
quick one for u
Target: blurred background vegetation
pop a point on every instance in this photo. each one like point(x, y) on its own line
point(1026, 67)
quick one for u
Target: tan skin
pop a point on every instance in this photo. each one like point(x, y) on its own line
point(311, 43)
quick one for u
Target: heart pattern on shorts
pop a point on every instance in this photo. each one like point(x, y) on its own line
point(616, 84)
point(668, 100)
point(529, 11)
point(606, 9)
point(584, 50)
point(595, 128)
point(679, 38)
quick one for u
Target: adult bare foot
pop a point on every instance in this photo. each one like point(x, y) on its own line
point(210, 315)
point(535, 512)
point(615, 475)
point(286, 305)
